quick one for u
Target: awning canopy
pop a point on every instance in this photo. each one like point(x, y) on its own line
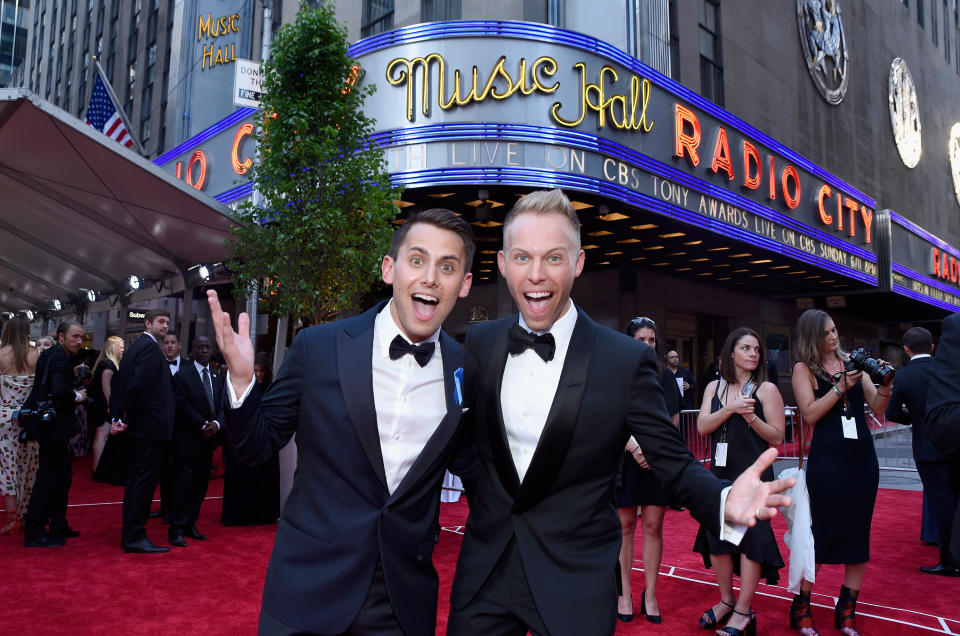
point(80, 212)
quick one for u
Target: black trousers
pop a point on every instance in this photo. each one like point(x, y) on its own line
point(376, 616)
point(192, 455)
point(48, 503)
point(941, 484)
point(146, 462)
point(503, 606)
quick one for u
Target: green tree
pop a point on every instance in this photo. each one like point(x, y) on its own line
point(315, 247)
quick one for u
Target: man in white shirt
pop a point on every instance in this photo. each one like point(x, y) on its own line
point(376, 403)
point(558, 397)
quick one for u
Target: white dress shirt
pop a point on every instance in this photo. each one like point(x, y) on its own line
point(527, 390)
point(409, 399)
point(175, 366)
point(199, 367)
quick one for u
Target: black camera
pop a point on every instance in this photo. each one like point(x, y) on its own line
point(30, 420)
point(860, 360)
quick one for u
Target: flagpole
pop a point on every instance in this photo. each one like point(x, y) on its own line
point(116, 102)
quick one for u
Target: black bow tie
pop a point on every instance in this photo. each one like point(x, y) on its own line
point(521, 340)
point(421, 352)
point(172, 363)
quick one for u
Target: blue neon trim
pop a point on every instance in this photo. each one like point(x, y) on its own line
point(909, 225)
point(204, 135)
point(903, 291)
point(233, 194)
point(923, 278)
point(545, 178)
point(539, 134)
point(547, 33)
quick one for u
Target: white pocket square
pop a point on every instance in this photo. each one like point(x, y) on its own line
point(465, 410)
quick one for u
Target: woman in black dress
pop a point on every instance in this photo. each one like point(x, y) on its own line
point(637, 487)
point(743, 414)
point(842, 470)
point(251, 494)
point(98, 411)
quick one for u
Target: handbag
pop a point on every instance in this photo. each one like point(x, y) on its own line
point(34, 412)
point(799, 536)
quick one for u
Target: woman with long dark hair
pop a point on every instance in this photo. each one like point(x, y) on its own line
point(743, 415)
point(638, 488)
point(842, 470)
point(18, 461)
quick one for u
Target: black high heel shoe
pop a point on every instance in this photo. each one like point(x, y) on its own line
point(656, 619)
point(626, 618)
point(713, 622)
point(749, 630)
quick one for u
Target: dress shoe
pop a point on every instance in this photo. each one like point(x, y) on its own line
point(44, 541)
point(653, 618)
point(144, 546)
point(941, 570)
point(177, 540)
point(193, 533)
point(69, 533)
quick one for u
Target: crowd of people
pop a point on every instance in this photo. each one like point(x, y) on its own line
point(563, 432)
point(144, 413)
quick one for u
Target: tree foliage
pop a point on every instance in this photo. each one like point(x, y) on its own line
point(315, 247)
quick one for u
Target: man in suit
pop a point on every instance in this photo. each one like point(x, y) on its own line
point(198, 395)
point(376, 403)
point(940, 476)
point(141, 402)
point(171, 351)
point(683, 373)
point(170, 344)
point(943, 419)
point(558, 397)
point(46, 521)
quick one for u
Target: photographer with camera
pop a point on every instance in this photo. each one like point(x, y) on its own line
point(53, 398)
point(842, 470)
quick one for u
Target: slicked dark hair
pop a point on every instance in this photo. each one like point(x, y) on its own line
point(443, 219)
point(918, 340)
point(152, 314)
point(65, 325)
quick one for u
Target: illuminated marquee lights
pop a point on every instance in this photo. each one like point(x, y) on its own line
point(241, 167)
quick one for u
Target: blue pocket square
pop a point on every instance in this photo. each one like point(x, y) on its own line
point(457, 391)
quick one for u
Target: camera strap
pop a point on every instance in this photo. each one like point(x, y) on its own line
point(847, 420)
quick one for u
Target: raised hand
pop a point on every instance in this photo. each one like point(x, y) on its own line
point(751, 500)
point(235, 346)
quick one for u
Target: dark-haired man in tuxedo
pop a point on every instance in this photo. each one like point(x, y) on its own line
point(558, 397)
point(198, 394)
point(376, 403)
point(943, 420)
point(141, 402)
point(908, 405)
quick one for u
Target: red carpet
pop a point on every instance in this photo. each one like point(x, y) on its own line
point(214, 587)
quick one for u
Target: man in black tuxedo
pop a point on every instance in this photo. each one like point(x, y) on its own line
point(558, 397)
point(198, 393)
point(375, 430)
point(939, 475)
point(943, 419)
point(141, 402)
point(170, 344)
point(48, 504)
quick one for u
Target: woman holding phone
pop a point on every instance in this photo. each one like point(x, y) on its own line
point(743, 414)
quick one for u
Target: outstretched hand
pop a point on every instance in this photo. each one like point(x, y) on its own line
point(235, 346)
point(751, 500)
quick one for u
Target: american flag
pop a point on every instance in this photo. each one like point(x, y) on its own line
point(104, 115)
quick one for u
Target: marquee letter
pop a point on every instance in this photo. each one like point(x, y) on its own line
point(682, 141)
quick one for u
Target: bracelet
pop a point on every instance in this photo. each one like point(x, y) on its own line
point(753, 420)
point(886, 395)
point(837, 391)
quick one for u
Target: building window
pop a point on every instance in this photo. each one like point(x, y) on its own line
point(131, 84)
point(132, 46)
point(674, 42)
point(439, 10)
point(377, 17)
point(933, 22)
point(145, 100)
point(920, 13)
point(145, 131)
point(711, 63)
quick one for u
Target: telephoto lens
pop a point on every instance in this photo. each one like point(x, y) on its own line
point(860, 360)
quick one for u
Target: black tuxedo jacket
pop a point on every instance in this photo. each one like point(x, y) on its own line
point(563, 516)
point(340, 519)
point(192, 407)
point(943, 394)
point(60, 380)
point(141, 392)
point(910, 390)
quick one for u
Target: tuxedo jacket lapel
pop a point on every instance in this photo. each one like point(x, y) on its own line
point(562, 419)
point(452, 360)
point(499, 447)
point(355, 367)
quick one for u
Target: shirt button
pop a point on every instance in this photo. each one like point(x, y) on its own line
point(396, 437)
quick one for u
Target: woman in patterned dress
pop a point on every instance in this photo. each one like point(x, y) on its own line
point(18, 462)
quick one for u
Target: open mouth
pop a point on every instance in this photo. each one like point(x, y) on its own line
point(425, 305)
point(538, 300)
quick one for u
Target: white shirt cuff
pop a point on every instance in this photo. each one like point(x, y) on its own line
point(235, 402)
point(217, 423)
point(77, 396)
point(732, 532)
